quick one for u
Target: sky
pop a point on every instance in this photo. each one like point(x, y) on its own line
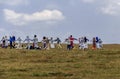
point(61, 18)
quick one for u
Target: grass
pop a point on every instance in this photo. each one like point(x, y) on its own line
point(60, 63)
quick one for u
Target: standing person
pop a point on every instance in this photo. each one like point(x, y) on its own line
point(94, 43)
point(44, 42)
point(35, 42)
point(58, 42)
point(19, 46)
point(72, 41)
point(28, 42)
point(6, 42)
point(47, 43)
point(97, 42)
point(81, 43)
point(85, 43)
point(100, 43)
point(3, 42)
point(13, 39)
point(52, 45)
point(68, 44)
point(11, 42)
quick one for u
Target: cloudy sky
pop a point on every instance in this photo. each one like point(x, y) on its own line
point(60, 18)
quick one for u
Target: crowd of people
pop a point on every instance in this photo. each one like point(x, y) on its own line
point(47, 43)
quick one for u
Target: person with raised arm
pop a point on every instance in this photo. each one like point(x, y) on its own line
point(27, 39)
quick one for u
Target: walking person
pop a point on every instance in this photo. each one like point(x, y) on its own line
point(58, 42)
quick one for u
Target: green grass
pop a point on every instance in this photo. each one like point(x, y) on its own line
point(60, 63)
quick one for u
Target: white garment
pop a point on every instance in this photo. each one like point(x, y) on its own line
point(52, 45)
point(6, 42)
point(35, 42)
point(19, 46)
point(28, 42)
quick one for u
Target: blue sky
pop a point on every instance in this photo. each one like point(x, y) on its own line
point(61, 18)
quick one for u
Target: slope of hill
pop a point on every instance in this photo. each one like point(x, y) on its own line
point(60, 63)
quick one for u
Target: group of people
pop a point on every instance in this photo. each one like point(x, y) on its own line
point(83, 43)
point(48, 43)
point(29, 43)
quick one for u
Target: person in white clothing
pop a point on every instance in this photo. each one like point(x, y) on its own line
point(19, 46)
point(35, 42)
point(28, 42)
point(100, 43)
point(52, 45)
point(81, 43)
point(3, 42)
point(6, 42)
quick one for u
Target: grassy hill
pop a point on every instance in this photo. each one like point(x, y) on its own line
point(60, 63)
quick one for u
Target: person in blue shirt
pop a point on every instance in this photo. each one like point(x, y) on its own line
point(11, 42)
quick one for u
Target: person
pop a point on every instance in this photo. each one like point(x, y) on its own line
point(13, 40)
point(68, 44)
point(44, 42)
point(52, 45)
point(58, 42)
point(47, 43)
point(3, 42)
point(6, 42)
point(100, 43)
point(35, 42)
point(85, 43)
point(28, 42)
point(81, 43)
point(97, 42)
point(71, 41)
point(94, 43)
point(19, 46)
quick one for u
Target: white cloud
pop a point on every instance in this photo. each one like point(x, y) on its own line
point(22, 18)
point(14, 2)
point(111, 7)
